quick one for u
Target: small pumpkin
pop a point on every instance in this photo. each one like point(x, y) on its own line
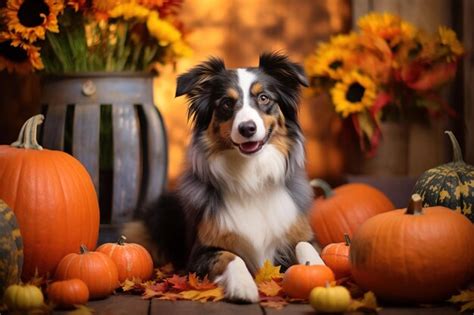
point(11, 248)
point(336, 257)
point(53, 198)
point(450, 185)
point(299, 280)
point(132, 260)
point(96, 269)
point(67, 293)
point(417, 254)
point(23, 297)
point(330, 299)
point(344, 209)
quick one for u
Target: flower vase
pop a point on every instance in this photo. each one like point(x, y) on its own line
point(108, 122)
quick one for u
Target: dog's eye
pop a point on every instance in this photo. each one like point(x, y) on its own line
point(227, 104)
point(263, 99)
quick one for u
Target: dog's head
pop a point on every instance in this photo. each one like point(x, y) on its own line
point(245, 108)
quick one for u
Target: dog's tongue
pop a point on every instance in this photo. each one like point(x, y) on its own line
point(249, 147)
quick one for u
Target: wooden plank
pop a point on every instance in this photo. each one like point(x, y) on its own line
point(196, 308)
point(127, 169)
point(116, 305)
point(85, 143)
point(468, 78)
point(360, 8)
point(53, 134)
point(157, 154)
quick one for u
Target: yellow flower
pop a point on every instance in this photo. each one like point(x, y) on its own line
point(129, 11)
point(388, 26)
point(328, 61)
point(353, 94)
point(181, 49)
point(162, 30)
point(32, 18)
point(151, 4)
point(17, 55)
point(105, 5)
point(449, 39)
point(348, 41)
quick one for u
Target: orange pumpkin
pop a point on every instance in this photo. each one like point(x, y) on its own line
point(336, 257)
point(67, 293)
point(344, 209)
point(53, 198)
point(414, 254)
point(132, 260)
point(96, 269)
point(299, 280)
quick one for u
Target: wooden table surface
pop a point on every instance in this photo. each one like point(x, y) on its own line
point(135, 305)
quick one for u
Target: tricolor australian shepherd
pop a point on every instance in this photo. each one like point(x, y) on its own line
point(244, 193)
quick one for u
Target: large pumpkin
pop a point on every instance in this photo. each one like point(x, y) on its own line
point(11, 248)
point(450, 185)
point(414, 254)
point(344, 209)
point(53, 198)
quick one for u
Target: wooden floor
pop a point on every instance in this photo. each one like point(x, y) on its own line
point(134, 305)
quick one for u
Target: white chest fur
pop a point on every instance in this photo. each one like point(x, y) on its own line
point(257, 205)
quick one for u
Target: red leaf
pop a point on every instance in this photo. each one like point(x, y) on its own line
point(197, 284)
point(178, 282)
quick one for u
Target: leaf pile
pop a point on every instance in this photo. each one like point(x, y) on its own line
point(465, 297)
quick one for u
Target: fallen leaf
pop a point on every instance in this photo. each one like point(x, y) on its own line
point(269, 288)
point(466, 297)
point(149, 294)
point(164, 271)
point(276, 302)
point(170, 296)
point(368, 304)
point(215, 295)
point(81, 310)
point(268, 272)
point(196, 283)
point(178, 282)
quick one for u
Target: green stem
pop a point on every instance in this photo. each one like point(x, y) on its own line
point(321, 184)
point(347, 239)
point(415, 206)
point(457, 154)
point(121, 240)
point(27, 138)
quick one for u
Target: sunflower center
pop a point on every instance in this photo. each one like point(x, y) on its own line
point(31, 12)
point(14, 54)
point(335, 64)
point(355, 92)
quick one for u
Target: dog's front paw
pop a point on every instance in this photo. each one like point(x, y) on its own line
point(238, 283)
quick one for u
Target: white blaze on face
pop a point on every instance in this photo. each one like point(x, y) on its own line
point(246, 113)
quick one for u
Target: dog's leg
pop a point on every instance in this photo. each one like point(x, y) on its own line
point(229, 271)
point(305, 252)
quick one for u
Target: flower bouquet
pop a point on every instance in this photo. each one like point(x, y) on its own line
point(64, 36)
point(388, 70)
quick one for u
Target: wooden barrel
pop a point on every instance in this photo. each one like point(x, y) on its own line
point(108, 122)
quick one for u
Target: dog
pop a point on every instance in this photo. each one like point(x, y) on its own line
point(244, 193)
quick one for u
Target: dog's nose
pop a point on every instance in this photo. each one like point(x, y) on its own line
point(247, 128)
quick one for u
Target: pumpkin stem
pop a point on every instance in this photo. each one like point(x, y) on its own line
point(321, 184)
point(307, 263)
point(457, 154)
point(347, 239)
point(415, 207)
point(121, 240)
point(83, 249)
point(27, 138)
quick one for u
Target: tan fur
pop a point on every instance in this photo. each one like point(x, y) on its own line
point(256, 88)
point(218, 136)
point(220, 265)
point(279, 138)
point(299, 231)
point(233, 93)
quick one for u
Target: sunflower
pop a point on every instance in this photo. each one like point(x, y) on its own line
point(388, 26)
point(449, 39)
point(129, 11)
point(32, 18)
point(353, 94)
point(181, 49)
point(348, 41)
point(328, 61)
point(17, 55)
point(151, 4)
point(165, 32)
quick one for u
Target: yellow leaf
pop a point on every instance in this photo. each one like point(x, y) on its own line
point(467, 297)
point(215, 295)
point(268, 272)
point(467, 306)
point(367, 304)
point(128, 285)
point(269, 288)
point(81, 310)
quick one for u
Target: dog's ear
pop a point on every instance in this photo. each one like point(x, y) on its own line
point(198, 75)
point(281, 68)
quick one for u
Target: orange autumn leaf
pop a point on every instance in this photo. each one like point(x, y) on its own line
point(196, 283)
point(215, 295)
point(170, 296)
point(268, 272)
point(178, 282)
point(164, 271)
point(368, 304)
point(276, 302)
point(466, 297)
point(149, 294)
point(269, 288)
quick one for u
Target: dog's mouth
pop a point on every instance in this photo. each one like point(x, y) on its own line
point(251, 147)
